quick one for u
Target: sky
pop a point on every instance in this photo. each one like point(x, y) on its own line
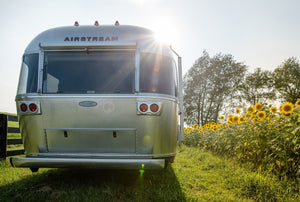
point(259, 33)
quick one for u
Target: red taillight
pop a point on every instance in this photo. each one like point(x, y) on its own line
point(143, 107)
point(32, 107)
point(150, 108)
point(23, 107)
point(154, 107)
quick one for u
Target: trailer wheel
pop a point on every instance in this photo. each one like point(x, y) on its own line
point(34, 170)
point(166, 164)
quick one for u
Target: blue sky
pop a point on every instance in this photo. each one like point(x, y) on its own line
point(260, 33)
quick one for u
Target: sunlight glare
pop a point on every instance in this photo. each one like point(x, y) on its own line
point(165, 31)
point(139, 2)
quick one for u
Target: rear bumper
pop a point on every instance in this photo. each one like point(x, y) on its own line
point(36, 162)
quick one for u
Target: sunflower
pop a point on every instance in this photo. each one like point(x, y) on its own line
point(280, 108)
point(250, 110)
point(287, 107)
point(235, 119)
point(258, 107)
point(213, 128)
point(238, 110)
point(273, 109)
point(230, 118)
point(298, 103)
point(261, 115)
point(241, 119)
point(221, 117)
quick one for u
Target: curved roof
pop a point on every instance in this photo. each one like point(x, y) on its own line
point(88, 35)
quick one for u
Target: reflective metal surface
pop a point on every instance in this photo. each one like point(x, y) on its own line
point(96, 130)
point(88, 163)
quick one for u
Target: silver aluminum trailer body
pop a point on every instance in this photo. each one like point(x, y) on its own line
point(98, 97)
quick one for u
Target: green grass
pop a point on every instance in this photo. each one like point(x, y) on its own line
point(196, 175)
point(14, 136)
point(13, 124)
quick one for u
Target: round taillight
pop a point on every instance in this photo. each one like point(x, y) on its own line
point(32, 107)
point(143, 107)
point(154, 107)
point(23, 107)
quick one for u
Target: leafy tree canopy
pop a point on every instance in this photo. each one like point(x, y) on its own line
point(287, 80)
point(208, 84)
point(257, 87)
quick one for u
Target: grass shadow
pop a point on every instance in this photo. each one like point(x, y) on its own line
point(95, 185)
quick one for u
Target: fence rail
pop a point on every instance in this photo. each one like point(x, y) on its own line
point(4, 141)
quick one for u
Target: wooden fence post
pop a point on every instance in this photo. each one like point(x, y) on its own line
point(3, 136)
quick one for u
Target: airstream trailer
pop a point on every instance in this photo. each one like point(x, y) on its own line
point(99, 96)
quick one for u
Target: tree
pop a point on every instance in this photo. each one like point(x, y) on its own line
point(287, 80)
point(208, 84)
point(257, 87)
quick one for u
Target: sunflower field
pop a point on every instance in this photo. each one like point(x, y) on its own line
point(265, 137)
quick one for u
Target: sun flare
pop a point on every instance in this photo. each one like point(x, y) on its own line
point(165, 31)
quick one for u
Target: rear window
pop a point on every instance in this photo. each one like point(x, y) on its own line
point(105, 72)
point(158, 74)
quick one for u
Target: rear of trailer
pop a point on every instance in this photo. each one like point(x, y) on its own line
point(102, 96)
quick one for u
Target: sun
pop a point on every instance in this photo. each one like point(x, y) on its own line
point(165, 31)
point(163, 37)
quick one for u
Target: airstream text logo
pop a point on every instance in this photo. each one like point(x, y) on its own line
point(92, 38)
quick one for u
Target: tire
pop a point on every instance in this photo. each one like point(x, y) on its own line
point(34, 170)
